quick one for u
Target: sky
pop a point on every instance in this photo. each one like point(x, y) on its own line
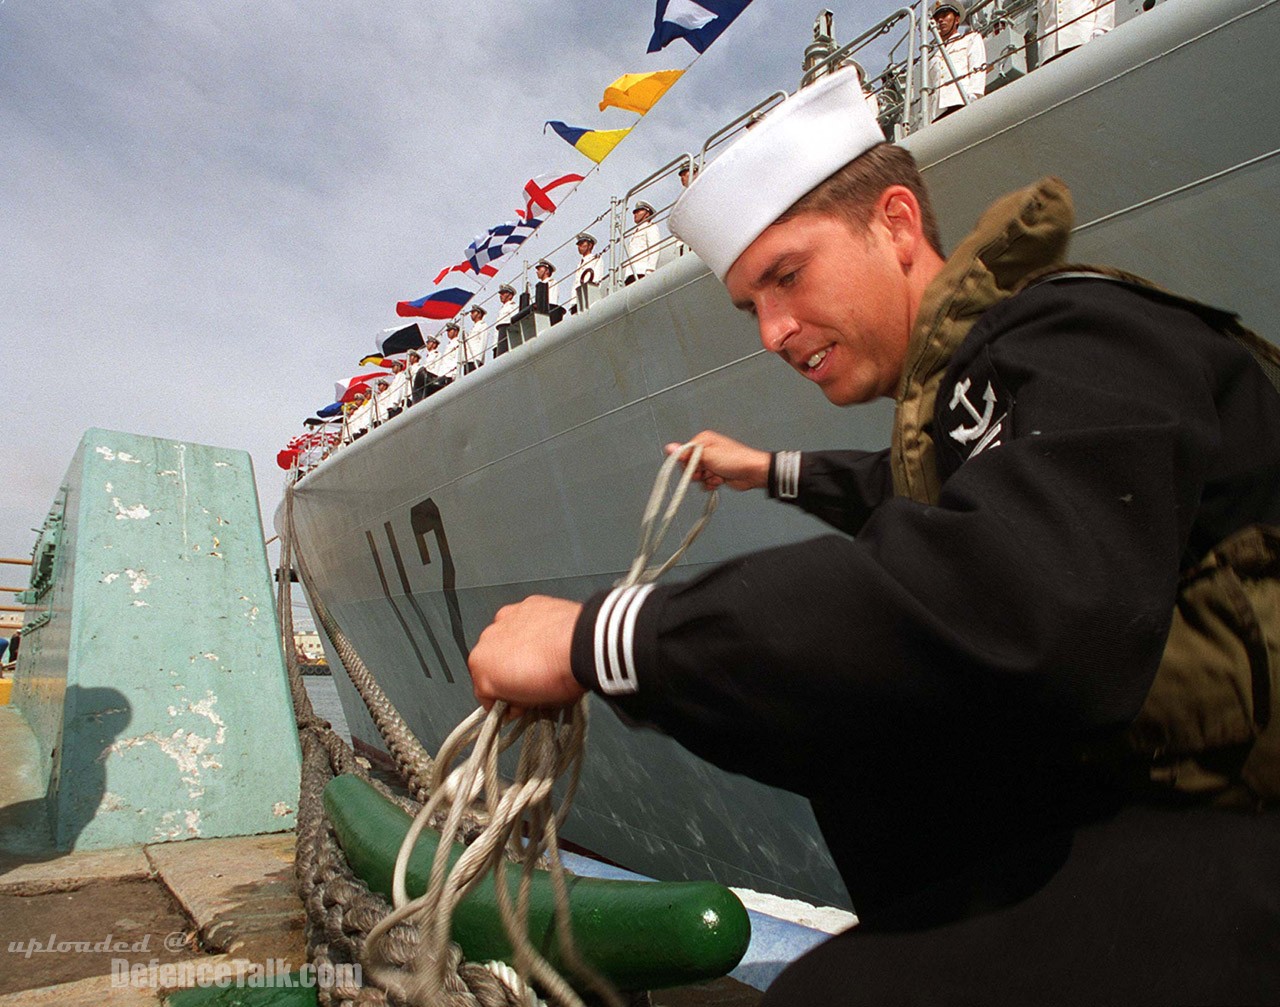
point(208, 210)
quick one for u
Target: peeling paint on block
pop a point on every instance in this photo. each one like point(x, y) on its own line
point(135, 513)
point(112, 456)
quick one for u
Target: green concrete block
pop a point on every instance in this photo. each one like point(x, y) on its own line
point(152, 673)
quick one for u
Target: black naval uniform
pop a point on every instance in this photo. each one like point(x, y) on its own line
point(928, 681)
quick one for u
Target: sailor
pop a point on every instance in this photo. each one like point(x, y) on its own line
point(506, 311)
point(444, 364)
point(397, 391)
point(686, 176)
point(1064, 25)
point(968, 56)
point(1026, 688)
point(544, 271)
point(361, 415)
point(589, 272)
point(380, 400)
point(419, 377)
point(507, 304)
point(477, 345)
point(642, 245)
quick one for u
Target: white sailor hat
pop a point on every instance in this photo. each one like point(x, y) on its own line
point(475, 307)
point(799, 144)
point(584, 236)
point(643, 205)
point(544, 262)
point(452, 327)
point(506, 288)
point(942, 5)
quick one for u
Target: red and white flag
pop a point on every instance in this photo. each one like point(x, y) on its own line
point(539, 201)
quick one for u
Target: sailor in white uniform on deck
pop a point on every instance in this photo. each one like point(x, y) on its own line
point(968, 58)
point(1066, 24)
point(361, 415)
point(588, 271)
point(642, 246)
point(444, 362)
point(544, 271)
point(506, 304)
point(397, 394)
point(478, 343)
point(506, 310)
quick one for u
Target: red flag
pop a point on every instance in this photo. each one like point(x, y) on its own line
point(345, 390)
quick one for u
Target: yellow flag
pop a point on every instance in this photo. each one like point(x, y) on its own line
point(598, 143)
point(639, 92)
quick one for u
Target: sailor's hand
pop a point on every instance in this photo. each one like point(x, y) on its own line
point(726, 462)
point(523, 656)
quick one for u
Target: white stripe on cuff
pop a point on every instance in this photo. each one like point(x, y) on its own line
point(614, 639)
point(786, 471)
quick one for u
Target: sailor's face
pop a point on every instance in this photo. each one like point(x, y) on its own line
point(830, 300)
point(946, 20)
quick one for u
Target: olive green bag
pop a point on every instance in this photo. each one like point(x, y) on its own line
point(1209, 728)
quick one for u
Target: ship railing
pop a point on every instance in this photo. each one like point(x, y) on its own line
point(896, 88)
point(1010, 54)
point(910, 77)
point(6, 561)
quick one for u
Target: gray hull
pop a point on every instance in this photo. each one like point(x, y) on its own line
point(530, 476)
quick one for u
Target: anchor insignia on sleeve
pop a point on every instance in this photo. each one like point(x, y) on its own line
point(983, 430)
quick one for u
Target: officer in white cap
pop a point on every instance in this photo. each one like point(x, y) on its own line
point(506, 310)
point(506, 304)
point(643, 242)
point(589, 270)
point(446, 362)
point(477, 345)
point(968, 56)
point(545, 270)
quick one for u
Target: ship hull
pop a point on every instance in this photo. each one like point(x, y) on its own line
point(530, 476)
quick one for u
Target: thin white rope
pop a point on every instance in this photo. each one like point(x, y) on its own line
point(553, 746)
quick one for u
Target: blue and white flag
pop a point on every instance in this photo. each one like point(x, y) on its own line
point(498, 242)
point(699, 23)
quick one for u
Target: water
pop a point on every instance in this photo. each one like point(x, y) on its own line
point(324, 697)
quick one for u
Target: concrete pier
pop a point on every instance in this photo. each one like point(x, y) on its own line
point(150, 670)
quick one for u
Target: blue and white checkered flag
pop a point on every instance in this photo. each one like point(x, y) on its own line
point(498, 242)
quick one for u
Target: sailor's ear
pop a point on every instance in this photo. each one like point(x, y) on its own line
point(899, 212)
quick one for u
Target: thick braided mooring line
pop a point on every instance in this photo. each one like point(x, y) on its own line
point(410, 757)
point(553, 744)
point(340, 908)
